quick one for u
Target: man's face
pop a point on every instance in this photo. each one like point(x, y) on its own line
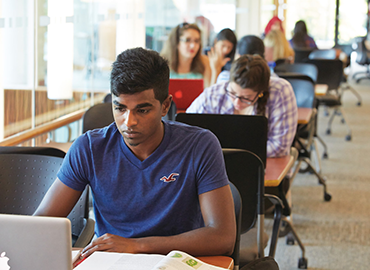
point(138, 118)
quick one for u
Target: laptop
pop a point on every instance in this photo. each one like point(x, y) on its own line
point(29, 242)
point(248, 132)
point(184, 91)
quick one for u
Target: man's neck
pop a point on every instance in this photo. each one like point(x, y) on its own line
point(144, 150)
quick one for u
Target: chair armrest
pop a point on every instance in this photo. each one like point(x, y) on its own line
point(86, 234)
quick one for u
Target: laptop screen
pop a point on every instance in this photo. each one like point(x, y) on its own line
point(184, 91)
point(248, 132)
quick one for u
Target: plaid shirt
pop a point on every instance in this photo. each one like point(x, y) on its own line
point(281, 112)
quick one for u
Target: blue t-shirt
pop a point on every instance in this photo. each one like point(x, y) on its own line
point(154, 197)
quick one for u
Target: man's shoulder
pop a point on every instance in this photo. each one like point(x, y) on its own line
point(98, 136)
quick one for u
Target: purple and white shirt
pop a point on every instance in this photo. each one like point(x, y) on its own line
point(281, 112)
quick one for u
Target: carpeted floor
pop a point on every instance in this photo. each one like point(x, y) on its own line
point(336, 234)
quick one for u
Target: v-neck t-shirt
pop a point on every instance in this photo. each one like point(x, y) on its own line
point(154, 197)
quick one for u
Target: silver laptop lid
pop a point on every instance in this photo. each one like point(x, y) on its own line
point(28, 242)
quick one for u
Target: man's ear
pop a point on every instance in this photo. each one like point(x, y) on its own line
point(166, 105)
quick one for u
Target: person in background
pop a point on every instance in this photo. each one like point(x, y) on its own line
point(277, 48)
point(222, 53)
point(246, 45)
point(251, 91)
point(274, 24)
point(183, 50)
point(157, 186)
point(300, 37)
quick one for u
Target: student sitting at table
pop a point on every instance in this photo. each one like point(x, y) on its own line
point(251, 91)
point(157, 186)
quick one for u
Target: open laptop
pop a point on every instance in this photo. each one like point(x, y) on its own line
point(248, 132)
point(29, 242)
point(184, 91)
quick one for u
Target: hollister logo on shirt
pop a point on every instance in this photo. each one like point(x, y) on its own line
point(170, 178)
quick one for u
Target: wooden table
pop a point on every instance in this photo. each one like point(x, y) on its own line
point(304, 115)
point(276, 170)
point(221, 261)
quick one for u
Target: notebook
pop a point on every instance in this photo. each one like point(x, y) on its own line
point(29, 242)
point(184, 91)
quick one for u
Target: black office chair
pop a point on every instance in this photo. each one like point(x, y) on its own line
point(331, 54)
point(97, 116)
point(298, 68)
point(363, 58)
point(331, 74)
point(238, 218)
point(304, 91)
point(246, 171)
point(37, 150)
point(25, 179)
point(301, 54)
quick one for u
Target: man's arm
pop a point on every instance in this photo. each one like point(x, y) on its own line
point(58, 201)
point(216, 238)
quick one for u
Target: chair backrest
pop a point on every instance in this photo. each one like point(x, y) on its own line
point(330, 72)
point(47, 151)
point(25, 179)
point(248, 132)
point(302, 68)
point(303, 88)
point(238, 218)
point(301, 54)
point(323, 54)
point(362, 53)
point(97, 116)
point(246, 171)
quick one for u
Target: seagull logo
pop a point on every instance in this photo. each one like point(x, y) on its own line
point(170, 178)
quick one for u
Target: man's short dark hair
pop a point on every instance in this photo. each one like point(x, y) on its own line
point(136, 70)
point(251, 45)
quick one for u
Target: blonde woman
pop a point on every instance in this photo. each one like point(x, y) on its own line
point(277, 47)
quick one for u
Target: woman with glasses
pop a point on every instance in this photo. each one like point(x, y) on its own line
point(183, 51)
point(251, 91)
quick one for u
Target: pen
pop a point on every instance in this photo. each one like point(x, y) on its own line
point(79, 262)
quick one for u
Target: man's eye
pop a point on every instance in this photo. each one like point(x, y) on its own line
point(143, 111)
point(121, 109)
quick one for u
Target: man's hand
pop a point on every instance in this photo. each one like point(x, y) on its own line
point(110, 243)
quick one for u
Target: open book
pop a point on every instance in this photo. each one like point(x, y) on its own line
point(175, 260)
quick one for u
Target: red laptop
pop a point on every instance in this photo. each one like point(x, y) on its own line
point(184, 91)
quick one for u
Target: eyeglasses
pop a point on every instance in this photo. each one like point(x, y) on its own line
point(189, 40)
point(243, 99)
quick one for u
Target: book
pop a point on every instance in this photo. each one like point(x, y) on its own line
point(175, 260)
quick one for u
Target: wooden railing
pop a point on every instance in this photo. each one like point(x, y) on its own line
point(42, 129)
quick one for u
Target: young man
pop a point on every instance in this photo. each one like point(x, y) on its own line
point(250, 90)
point(157, 186)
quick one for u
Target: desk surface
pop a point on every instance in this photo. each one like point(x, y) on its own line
point(304, 115)
point(321, 89)
point(276, 169)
